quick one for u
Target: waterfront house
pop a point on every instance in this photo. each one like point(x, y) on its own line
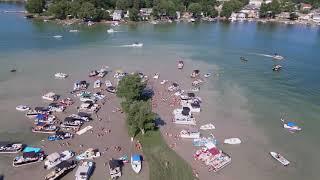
point(304, 17)
point(117, 15)
point(305, 7)
point(251, 11)
point(145, 13)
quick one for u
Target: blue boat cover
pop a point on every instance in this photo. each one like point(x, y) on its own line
point(291, 124)
point(136, 157)
point(31, 149)
point(41, 116)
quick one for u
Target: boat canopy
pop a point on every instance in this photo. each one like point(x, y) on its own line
point(113, 163)
point(214, 151)
point(41, 116)
point(136, 157)
point(291, 124)
point(31, 149)
point(185, 111)
point(82, 114)
point(29, 154)
point(53, 157)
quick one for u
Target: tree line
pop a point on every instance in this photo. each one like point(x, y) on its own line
point(95, 10)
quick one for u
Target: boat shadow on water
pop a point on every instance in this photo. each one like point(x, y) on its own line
point(1, 177)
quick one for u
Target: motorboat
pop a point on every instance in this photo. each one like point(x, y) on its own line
point(88, 107)
point(243, 59)
point(277, 67)
point(60, 136)
point(81, 116)
point(60, 75)
point(187, 96)
point(32, 113)
point(136, 44)
point(277, 57)
point(115, 23)
point(108, 83)
point(179, 92)
point(163, 81)
point(44, 119)
point(30, 155)
point(99, 95)
point(280, 158)
point(195, 89)
point(110, 31)
point(184, 120)
point(180, 64)
point(232, 141)
point(55, 107)
point(45, 128)
point(201, 142)
point(80, 85)
point(119, 74)
point(58, 36)
point(87, 97)
point(85, 170)
point(173, 87)
point(111, 89)
point(22, 108)
point(207, 75)
point(156, 76)
point(66, 102)
point(90, 23)
point(61, 169)
point(197, 82)
point(89, 154)
point(189, 134)
point(207, 127)
point(97, 84)
point(291, 126)
point(136, 163)
point(51, 96)
point(102, 73)
point(93, 73)
point(195, 73)
point(11, 148)
point(73, 30)
point(55, 158)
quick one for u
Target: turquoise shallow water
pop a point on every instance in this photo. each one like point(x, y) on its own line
point(29, 46)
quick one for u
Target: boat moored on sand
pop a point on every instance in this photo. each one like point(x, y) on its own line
point(61, 169)
point(136, 163)
point(45, 128)
point(180, 64)
point(232, 141)
point(11, 148)
point(85, 170)
point(189, 134)
point(89, 154)
point(22, 108)
point(55, 158)
point(207, 127)
point(51, 96)
point(30, 155)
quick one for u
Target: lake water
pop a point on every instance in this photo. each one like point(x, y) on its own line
point(29, 46)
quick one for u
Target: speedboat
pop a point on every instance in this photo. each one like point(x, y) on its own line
point(197, 82)
point(58, 36)
point(111, 89)
point(73, 30)
point(136, 44)
point(195, 89)
point(277, 67)
point(207, 127)
point(277, 57)
point(156, 76)
point(97, 84)
point(11, 148)
point(51, 96)
point(55, 107)
point(60, 136)
point(180, 64)
point(84, 171)
point(207, 75)
point(163, 82)
point(61, 75)
point(61, 169)
point(243, 59)
point(280, 158)
point(22, 108)
point(102, 73)
point(93, 73)
point(115, 23)
point(66, 102)
point(232, 141)
point(45, 128)
point(110, 31)
point(203, 141)
point(292, 126)
point(136, 163)
point(189, 134)
point(88, 154)
point(195, 73)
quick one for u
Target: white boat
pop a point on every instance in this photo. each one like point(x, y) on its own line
point(277, 57)
point(97, 84)
point(52, 160)
point(61, 75)
point(207, 127)
point(137, 44)
point(280, 158)
point(23, 108)
point(199, 142)
point(276, 67)
point(180, 64)
point(108, 83)
point(45, 129)
point(207, 75)
point(114, 24)
point(84, 130)
point(84, 171)
point(62, 169)
point(232, 141)
point(28, 158)
point(156, 76)
point(58, 36)
point(11, 148)
point(195, 89)
point(189, 134)
point(163, 82)
point(292, 126)
point(88, 154)
point(73, 30)
point(136, 163)
point(110, 31)
point(51, 96)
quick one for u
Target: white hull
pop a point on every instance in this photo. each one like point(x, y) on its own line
point(136, 166)
point(22, 108)
point(292, 128)
point(207, 127)
point(280, 158)
point(232, 141)
point(189, 135)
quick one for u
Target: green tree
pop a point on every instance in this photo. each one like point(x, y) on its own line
point(231, 6)
point(75, 7)
point(195, 9)
point(35, 6)
point(131, 88)
point(60, 9)
point(122, 4)
point(134, 14)
point(87, 10)
point(140, 117)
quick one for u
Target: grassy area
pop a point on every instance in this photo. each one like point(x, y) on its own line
point(164, 163)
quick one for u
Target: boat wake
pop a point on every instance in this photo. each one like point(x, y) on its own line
point(132, 45)
point(264, 55)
